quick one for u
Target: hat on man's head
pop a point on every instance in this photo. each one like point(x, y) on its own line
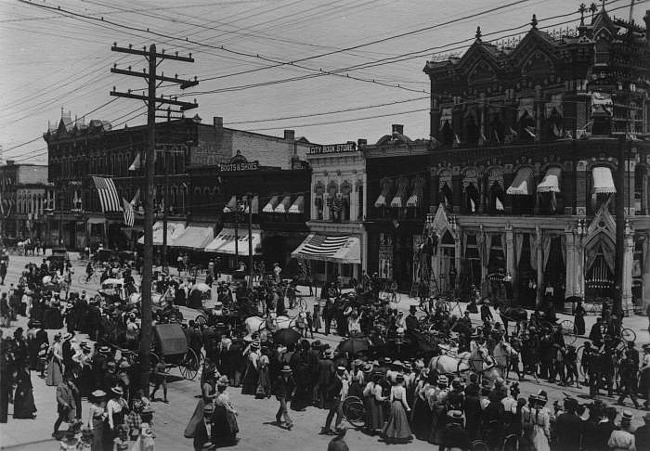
point(388, 360)
point(456, 415)
point(442, 380)
point(104, 350)
point(646, 417)
point(413, 309)
point(286, 369)
point(340, 368)
point(117, 390)
point(626, 418)
point(98, 393)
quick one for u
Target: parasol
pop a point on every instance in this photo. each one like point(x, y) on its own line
point(286, 337)
point(354, 345)
point(202, 287)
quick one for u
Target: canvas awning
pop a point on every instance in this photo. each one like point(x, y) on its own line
point(224, 243)
point(551, 181)
point(270, 206)
point(413, 201)
point(603, 181)
point(195, 236)
point(298, 206)
point(337, 249)
point(231, 206)
point(174, 230)
point(400, 197)
point(522, 184)
point(283, 207)
point(382, 200)
point(255, 205)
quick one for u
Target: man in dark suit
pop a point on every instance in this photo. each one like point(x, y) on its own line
point(335, 395)
point(284, 388)
point(66, 394)
point(568, 427)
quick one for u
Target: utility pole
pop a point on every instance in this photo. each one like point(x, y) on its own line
point(250, 239)
point(154, 58)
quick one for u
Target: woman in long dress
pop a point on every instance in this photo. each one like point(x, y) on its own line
point(421, 414)
point(397, 429)
point(55, 363)
point(249, 385)
point(263, 379)
point(116, 410)
point(356, 380)
point(224, 417)
point(96, 418)
point(24, 398)
point(541, 418)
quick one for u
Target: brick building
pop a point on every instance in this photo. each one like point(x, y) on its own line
point(526, 139)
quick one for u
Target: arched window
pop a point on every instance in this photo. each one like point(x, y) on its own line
point(319, 193)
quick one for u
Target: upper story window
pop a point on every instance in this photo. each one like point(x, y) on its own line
point(601, 53)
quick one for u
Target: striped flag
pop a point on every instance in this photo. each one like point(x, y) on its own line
point(107, 194)
point(129, 213)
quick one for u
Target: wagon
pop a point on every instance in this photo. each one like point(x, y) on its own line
point(170, 343)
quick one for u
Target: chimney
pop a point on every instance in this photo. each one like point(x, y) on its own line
point(289, 135)
point(646, 19)
point(10, 162)
point(217, 121)
point(398, 128)
point(361, 143)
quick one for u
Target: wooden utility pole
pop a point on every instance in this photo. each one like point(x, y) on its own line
point(621, 191)
point(154, 58)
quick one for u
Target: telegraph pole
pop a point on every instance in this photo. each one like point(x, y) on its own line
point(621, 190)
point(154, 58)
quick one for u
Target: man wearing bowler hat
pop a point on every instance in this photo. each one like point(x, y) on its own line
point(284, 389)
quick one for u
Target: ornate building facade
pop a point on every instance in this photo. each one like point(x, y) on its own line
point(526, 144)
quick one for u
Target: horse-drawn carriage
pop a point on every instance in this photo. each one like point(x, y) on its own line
point(171, 348)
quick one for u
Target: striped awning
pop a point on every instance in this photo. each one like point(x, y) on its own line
point(224, 243)
point(551, 181)
point(270, 207)
point(283, 207)
point(603, 181)
point(382, 200)
point(298, 206)
point(523, 183)
point(337, 249)
point(255, 204)
point(231, 206)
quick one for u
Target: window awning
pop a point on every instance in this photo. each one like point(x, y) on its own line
point(298, 206)
point(337, 249)
point(603, 181)
point(283, 207)
point(382, 200)
point(551, 181)
point(400, 197)
point(413, 201)
point(255, 205)
point(231, 206)
point(224, 243)
point(523, 183)
point(174, 230)
point(270, 207)
point(195, 236)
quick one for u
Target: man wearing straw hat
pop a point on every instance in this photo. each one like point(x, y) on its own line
point(284, 389)
point(623, 439)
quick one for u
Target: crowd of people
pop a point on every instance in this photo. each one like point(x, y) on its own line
point(403, 400)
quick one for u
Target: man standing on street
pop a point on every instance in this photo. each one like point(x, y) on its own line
point(568, 427)
point(336, 393)
point(284, 388)
point(66, 394)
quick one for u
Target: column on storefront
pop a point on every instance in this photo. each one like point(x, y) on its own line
point(540, 263)
point(628, 261)
point(579, 269)
point(646, 270)
point(570, 282)
point(510, 253)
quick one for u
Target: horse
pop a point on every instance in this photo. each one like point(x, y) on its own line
point(504, 354)
point(478, 361)
point(257, 323)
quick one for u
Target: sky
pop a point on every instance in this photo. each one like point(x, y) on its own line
point(332, 70)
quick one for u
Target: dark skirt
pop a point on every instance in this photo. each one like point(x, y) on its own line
point(397, 429)
point(24, 406)
point(355, 390)
point(224, 427)
point(249, 386)
point(374, 415)
point(196, 428)
point(438, 415)
point(421, 419)
point(579, 325)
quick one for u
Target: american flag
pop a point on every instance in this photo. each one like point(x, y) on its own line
point(129, 213)
point(107, 194)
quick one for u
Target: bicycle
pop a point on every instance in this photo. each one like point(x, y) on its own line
point(354, 411)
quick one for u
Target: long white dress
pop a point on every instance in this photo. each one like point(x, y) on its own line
point(542, 428)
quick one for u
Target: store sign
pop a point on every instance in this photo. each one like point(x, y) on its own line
point(333, 148)
point(238, 167)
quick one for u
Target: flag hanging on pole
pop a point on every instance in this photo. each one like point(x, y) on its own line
point(129, 213)
point(137, 163)
point(107, 194)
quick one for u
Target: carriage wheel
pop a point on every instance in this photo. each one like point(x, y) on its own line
point(200, 320)
point(189, 366)
point(354, 411)
point(568, 331)
point(628, 335)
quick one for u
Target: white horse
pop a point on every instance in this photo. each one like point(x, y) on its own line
point(477, 361)
point(257, 323)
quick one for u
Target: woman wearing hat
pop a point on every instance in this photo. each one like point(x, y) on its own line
point(540, 418)
point(24, 396)
point(55, 363)
point(96, 417)
point(623, 439)
point(454, 435)
point(397, 429)
point(249, 384)
point(224, 417)
point(116, 410)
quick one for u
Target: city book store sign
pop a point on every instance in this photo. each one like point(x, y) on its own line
point(333, 148)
